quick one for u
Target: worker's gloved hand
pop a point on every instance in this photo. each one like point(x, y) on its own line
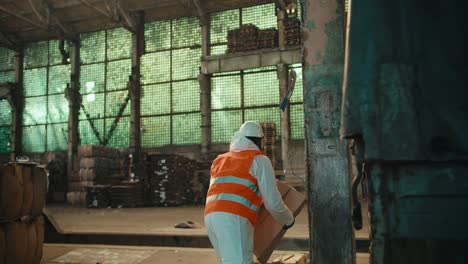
point(286, 227)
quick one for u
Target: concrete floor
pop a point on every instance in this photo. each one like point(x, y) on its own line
point(92, 254)
point(152, 220)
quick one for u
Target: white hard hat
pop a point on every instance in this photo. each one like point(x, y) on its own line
point(251, 129)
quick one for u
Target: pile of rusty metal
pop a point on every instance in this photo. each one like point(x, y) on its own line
point(269, 141)
point(172, 180)
point(292, 31)
point(267, 38)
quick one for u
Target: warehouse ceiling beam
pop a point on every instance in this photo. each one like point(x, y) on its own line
point(25, 19)
point(201, 12)
point(116, 13)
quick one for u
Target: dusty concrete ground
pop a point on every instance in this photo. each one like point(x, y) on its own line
point(92, 254)
point(153, 220)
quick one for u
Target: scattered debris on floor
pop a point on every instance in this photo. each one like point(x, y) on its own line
point(302, 258)
point(93, 256)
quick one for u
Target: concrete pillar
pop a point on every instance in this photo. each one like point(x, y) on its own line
point(138, 47)
point(74, 102)
point(17, 104)
point(331, 233)
point(205, 89)
point(205, 108)
point(281, 36)
point(282, 73)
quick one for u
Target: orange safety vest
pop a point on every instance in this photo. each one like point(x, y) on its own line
point(232, 188)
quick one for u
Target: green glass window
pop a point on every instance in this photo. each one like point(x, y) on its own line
point(92, 78)
point(186, 96)
point(36, 54)
point(186, 32)
point(114, 101)
point(261, 89)
point(5, 113)
point(224, 124)
point(35, 82)
point(118, 73)
point(7, 76)
point(156, 67)
point(158, 35)
point(57, 109)
point(156, 131)
point(156, 99)
point(93, 47)
point(57, 137)
point(263, 16)
point(59, 76)
point(94, 105)
point(120, 137)
point(297, 121)
point(35, 110)
point(5, 145)
point(185, 63)
point(119, 44)
point(7, 57)
point(87, 135)
point(34, 138)
point(226, 92)
point(221, 23)
point(186, 129)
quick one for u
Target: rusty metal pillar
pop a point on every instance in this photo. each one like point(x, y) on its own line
point(205, 90)
point(331, 233)
point(74, 101)
point(17, 103)
point(138, 48)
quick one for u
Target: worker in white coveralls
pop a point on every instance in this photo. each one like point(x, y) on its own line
point(241, 180)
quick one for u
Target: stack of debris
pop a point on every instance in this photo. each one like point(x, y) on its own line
point(172, 180)
point(267, 38)
point(234, 41)
point(57, 169)
point(98, 196)
point(269, 141)
point(127, 194)
point(23, 189)
point(249, 34)
point(98, 165)
point(292, 31)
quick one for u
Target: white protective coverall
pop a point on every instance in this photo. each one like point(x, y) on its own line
point(232, 235)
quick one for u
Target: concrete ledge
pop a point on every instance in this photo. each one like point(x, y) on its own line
point(248, 60)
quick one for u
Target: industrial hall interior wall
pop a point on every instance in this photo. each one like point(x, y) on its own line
point(170, 92)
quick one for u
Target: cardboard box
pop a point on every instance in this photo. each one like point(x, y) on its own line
point(267, 231)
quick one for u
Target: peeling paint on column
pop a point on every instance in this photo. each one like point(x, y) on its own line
point(326, 155)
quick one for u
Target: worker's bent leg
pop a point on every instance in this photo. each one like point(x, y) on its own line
point(231, 236)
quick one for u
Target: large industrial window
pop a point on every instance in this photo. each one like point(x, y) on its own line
point(7, 74)
point(105, 70)
point(263, 16)
point(170, 103)
point(251, 94)
point(45, 112)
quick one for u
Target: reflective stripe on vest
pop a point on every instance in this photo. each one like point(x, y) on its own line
point(232, 188)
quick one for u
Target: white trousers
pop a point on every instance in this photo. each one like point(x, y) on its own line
point(231, 237)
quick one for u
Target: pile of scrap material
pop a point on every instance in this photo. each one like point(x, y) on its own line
point(23, 189)
point(292, 31)
point(127, 194)
point(269, 141)
point(98, 196)
point(298, 258)
point(173, 180)
point(97, 165)
point(267, 38)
